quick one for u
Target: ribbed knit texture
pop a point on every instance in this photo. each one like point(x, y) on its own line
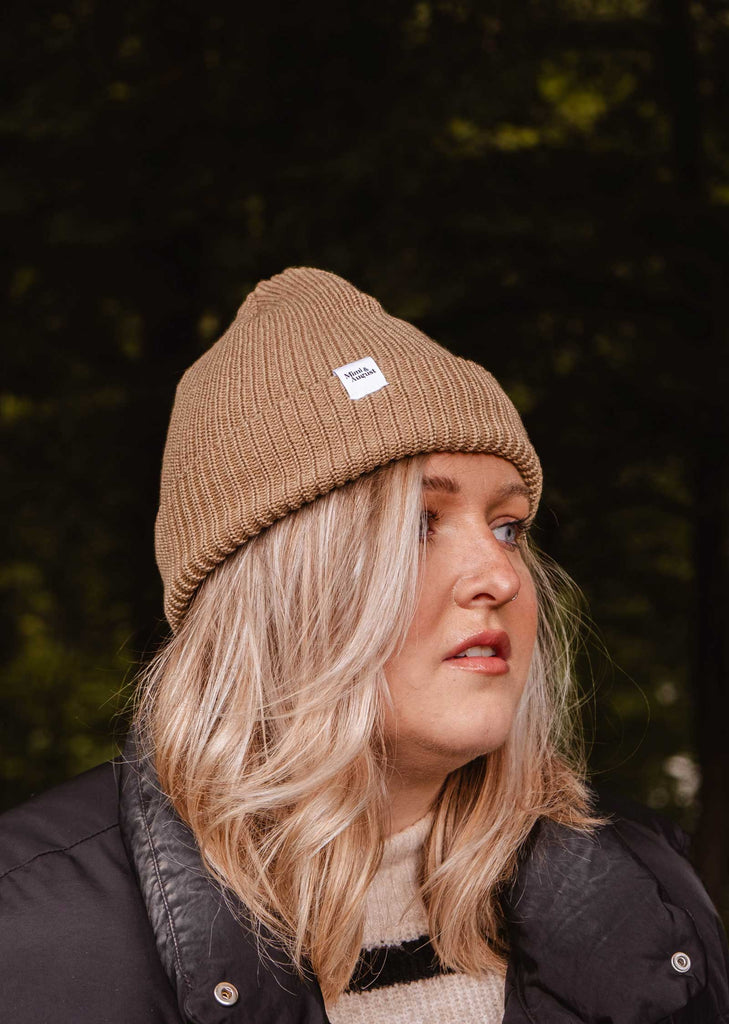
point(398, 980)
point(261, 424)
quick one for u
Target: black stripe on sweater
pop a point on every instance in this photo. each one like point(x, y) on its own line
point(409, 961)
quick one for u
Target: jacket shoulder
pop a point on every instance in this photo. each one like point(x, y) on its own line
point(621, 809)
point(52, 822)
point(618, 904)
point(75, 939)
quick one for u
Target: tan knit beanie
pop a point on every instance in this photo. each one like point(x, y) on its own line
point(312, 385)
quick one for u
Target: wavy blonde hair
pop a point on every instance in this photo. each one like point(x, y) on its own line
point(265, 714)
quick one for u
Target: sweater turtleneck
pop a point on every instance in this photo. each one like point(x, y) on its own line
point(398, 979)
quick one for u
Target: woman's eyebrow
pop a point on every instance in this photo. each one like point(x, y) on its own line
point(515, 490)
point(440, 483)
point(448, 485)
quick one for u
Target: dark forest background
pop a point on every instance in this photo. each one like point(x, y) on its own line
point(542, 186)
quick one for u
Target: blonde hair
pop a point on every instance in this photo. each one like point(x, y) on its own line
point(265, 714)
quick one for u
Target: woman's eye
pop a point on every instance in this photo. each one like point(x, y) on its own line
point(427, 519)
point(509, 533)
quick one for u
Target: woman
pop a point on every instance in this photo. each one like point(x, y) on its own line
point(352, 791)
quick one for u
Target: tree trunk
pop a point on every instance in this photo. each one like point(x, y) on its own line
point(706, 423)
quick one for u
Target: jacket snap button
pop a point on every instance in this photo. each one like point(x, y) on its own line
point(226, 993)
point(681, 962)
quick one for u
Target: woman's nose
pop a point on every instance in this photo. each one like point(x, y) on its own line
point(488, 577)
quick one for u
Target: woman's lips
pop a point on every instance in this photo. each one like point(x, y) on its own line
point(494, 665)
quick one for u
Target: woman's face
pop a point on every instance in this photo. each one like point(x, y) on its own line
point(477, 599)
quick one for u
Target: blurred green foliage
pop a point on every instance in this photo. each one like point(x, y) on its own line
point(542, 186)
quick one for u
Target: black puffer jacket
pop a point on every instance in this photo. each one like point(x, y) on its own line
point(107, 917)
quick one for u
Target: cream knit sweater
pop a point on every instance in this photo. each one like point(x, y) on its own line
point(397, 981)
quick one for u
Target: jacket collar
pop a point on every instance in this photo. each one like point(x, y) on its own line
point(594, 922)
point(199, 935)
point(591, 929)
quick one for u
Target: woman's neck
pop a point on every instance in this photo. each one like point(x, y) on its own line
point(410, 799)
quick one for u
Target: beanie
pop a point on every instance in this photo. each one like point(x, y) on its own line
point(311, 386)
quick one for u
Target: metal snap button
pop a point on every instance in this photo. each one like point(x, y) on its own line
point(226, 993)
point(681, 962)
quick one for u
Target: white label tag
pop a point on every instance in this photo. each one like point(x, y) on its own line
point(361, 378)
